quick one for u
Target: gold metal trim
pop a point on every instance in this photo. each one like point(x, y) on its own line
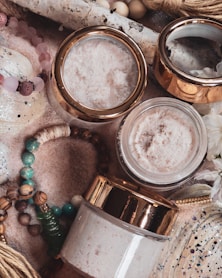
point(132, 204)
point(178, 83)
point(73, 107)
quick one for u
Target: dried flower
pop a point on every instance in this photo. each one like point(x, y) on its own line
point(213, 124)
point(214, 176)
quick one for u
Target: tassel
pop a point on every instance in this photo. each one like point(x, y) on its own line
point(13, 264)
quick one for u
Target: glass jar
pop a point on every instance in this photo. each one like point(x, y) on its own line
point(118, 232)
point(99, 73)
point(161, 143)
point(188, 60)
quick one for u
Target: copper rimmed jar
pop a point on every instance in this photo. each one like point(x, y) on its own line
point(188, 60)
point(119, 230)
point(99, 73)
point(161, 143)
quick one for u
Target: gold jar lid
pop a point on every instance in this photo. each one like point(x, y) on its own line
point(132, 204)
point(187, 63)
point(99, 73)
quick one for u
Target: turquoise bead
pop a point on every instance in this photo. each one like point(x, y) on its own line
point(57, 211)
point(32, 144)
point(28, 158)
point(31, 201)
point(26, 173)
point(29, 182)
point(68, 209)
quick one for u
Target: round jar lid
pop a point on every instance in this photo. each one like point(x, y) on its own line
point(129, 203)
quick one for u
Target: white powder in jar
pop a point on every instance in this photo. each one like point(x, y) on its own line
point(162, 140)
point(102, 249)
point(100, 73)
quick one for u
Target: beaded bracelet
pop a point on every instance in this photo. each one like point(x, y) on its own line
point(50, 227)
point(26, 87)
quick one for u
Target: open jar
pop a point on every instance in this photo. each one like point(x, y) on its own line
point(99, 73)
point(188, 60)
point(119, 230)
point(161, 143)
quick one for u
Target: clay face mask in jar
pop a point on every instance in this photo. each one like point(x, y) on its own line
point(161, 143)
point(188, 61)
point(119, 231)
point(99, 73)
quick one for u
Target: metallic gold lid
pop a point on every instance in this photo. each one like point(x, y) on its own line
point(64, 96)
point(132, 204)
point(177, 82)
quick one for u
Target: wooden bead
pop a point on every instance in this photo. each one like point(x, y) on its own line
point(3, 215)
point(3, 239)
point(34, 229)
point(26, 191)
point(24, 218)
point(2, 228)
point(21, 205)
point(12, 193)
point(40, 198)
point(5, 203)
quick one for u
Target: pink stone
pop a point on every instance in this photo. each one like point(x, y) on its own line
point(46, 65)
point(10, 84)
point(13, 23)
point(36, 40)
point(3, 19)
point(38, 83)
point(41, 48)
point(44, 56)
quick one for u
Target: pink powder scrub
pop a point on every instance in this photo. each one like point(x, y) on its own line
point(162, 142)
point(99, 73)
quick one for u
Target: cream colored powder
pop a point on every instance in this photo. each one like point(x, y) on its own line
point(99, 74)
point(162, 140)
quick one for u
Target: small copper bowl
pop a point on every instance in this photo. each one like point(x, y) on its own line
point(176, 80)
point(81, 60)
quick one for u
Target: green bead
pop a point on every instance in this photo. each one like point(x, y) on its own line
point(26, 173)
point(28, 158)
point(32, 144)
point(56, 210)
point(68, 209)
point(29, 182)
point(30, 201)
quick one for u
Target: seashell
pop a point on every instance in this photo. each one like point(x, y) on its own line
point(16, 111)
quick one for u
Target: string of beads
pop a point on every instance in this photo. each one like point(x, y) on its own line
point(26, 87)
point(26, 194)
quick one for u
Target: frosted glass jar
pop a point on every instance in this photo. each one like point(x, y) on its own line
point(118, 232)
point(99, 73)
point(161, 143)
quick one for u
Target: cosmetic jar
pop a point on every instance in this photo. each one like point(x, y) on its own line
point(188, 60)
point(161, 143)
point(99, 73)
point(118, 232)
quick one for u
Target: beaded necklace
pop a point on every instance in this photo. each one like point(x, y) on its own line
point(27, 193)
point(26, 87)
